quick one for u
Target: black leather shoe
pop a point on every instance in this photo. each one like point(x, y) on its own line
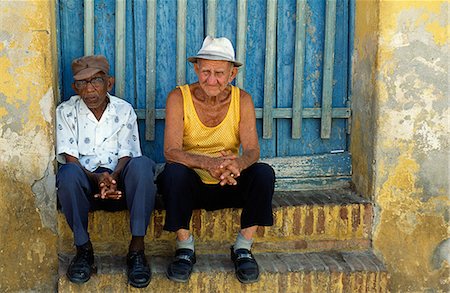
point(245, 265)
point(82, 265)
point(181, 268)
point(138, 271)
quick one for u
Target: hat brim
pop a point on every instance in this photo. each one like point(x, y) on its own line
point(194, 59)
point(86, 73)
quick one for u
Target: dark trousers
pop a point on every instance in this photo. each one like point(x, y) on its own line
point(76, 196)
point(183, 191)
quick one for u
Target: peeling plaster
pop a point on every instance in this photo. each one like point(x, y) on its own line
point(423, 21)
point(45, 194)
point(411, 146)
point(441, 255)
point(400, 136)
point(428, 139)
point(433, 64)
point(28, 258)
point(46, 104)
point(407, 221)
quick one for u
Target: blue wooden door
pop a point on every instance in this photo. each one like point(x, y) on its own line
point(296, 67)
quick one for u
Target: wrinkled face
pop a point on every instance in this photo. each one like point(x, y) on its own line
point(93, 90)
point(214, 76)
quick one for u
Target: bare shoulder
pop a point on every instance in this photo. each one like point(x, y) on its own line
point(244, 94)
point(174, 98)
point(245, 99)
point(175, 94)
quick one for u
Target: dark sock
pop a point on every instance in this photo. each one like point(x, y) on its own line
point(137, 243)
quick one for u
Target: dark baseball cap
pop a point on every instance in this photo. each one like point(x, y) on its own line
point(86, 66)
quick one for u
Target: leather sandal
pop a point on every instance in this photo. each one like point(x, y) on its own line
point(82, 266)
point(181, 267)
point(245, 265)
point(138, 270)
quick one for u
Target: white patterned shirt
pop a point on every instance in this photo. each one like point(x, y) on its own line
point(96, 143)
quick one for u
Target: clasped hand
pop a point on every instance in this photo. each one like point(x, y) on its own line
point(107, 186)
point(225, 168)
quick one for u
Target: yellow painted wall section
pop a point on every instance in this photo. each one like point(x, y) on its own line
point(411, 187)
point(363, 93)
point(28, 256)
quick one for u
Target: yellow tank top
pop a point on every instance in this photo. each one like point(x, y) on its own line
point(201, 139)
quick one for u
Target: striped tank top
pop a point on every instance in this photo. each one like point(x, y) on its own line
point(209, 141)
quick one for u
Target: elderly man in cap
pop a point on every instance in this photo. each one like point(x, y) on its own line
point(207, 122)
point(102, 167)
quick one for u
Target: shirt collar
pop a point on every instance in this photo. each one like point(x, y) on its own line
point(110, 109)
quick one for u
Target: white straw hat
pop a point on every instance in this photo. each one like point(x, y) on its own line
point(216, 49)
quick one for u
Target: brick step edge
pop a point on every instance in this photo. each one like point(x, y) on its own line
point(282, 245)
point(302, 221)
point(280, 272)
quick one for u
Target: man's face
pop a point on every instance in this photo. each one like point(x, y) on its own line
point(93, 90)
point(214, 76)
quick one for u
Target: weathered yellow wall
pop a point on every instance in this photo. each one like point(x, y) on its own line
point(364, 96)
point(28, 257)
point(410, 156)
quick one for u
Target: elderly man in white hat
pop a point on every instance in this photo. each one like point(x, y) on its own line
point(207, 123)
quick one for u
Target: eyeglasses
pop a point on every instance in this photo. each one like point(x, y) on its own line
point(96, 82)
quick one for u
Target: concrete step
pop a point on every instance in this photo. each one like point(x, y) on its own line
point(303, 221)
point(280, 272)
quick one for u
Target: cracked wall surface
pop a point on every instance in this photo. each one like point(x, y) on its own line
point(407, 157)
point(28, 256)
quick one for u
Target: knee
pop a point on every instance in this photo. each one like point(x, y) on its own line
point(141, 166)
point(176, 176)
point(264, 181)
point(264, 173)
point(176, 170)
point(142, 163)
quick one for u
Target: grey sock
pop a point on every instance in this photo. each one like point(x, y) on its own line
point(188, 243)
point(241, 242)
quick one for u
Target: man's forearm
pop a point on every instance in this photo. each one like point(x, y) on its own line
point(190, 160)
point(248, 158)
point(120, 165)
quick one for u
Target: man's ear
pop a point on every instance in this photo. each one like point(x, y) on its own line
point(110, 83)
point(196, 68)
point(75, 89)
point(233, 74)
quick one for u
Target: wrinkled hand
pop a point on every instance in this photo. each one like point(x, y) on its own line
point(214, 167)
point(107, 186)
point(228, 169)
